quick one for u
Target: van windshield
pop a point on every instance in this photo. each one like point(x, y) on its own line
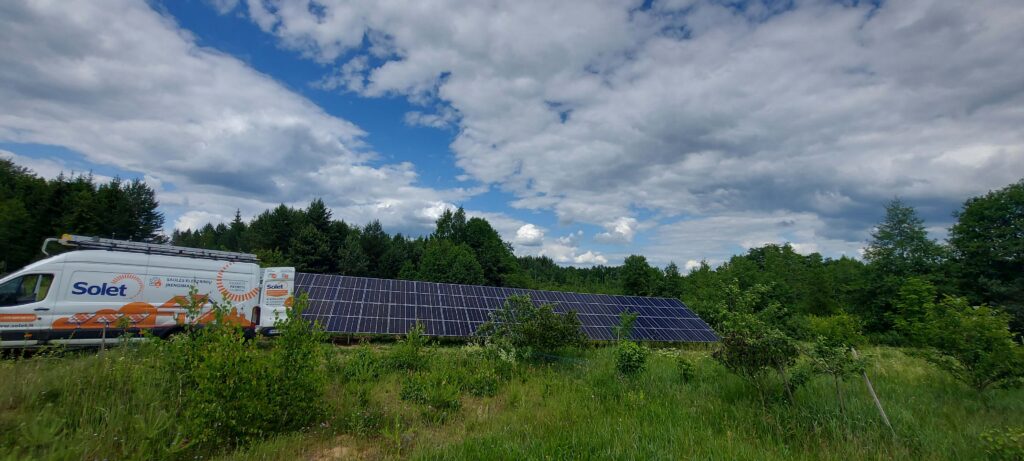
point(25, 289)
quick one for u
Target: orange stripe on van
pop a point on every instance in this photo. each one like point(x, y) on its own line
point(17, 318)
point(277, 292)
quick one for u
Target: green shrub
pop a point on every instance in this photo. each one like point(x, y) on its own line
point(362, 416)
point(407, 353)
point(973, 343)
point(362, 366)
point(218, 375)
point(687, 370)
point(482, 383)
point(229, 392)
point(298, 368)
point(414, 389)
point(1004, 445)
point(630, 358)
point(528, 331)
point(754, 350)
point(842, 328)
point(433, 390)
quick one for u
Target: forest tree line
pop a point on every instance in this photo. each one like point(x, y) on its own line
point(982, 261)
point(33, 209)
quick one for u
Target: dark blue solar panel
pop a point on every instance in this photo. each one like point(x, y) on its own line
point(344, 304)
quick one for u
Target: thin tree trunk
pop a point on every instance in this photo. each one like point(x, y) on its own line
point(839, 395)
point(878, 403)
point(785, 382)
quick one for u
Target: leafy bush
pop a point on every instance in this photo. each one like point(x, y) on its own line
point(630, 358)
point(362, 366)
point(1004, 445)
point(529, 331)
point(414, 389)
point(754, 350)
point(407, 354)
point(974, 344)
point(229, 392)
point(438, 393)
point(687, 370)
point(482, 383)
point(362, 416)
point(218, 373)
point(842, 328)
point(298, 369)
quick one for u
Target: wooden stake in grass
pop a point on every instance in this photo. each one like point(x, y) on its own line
point(878, 403)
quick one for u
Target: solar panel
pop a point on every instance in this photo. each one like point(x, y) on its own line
point(361, 305)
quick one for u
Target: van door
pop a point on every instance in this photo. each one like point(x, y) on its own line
point(26, 302)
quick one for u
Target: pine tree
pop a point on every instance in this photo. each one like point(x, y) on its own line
point(145, 222)
point(899, 248)
point(318, 215)
point(310, 251)
point(235, 233)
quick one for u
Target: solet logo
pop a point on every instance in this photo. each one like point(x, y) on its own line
point(124, 285)
point(228, 294)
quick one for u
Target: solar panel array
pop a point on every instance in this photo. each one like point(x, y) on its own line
point(360, 305)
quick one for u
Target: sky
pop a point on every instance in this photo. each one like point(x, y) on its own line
point(583, 130)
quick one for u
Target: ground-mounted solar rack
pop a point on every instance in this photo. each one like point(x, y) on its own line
point(360, 305)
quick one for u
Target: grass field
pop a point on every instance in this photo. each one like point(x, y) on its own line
point(460, 405)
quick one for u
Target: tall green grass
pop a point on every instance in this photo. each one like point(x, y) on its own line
point(86, 406)
point(109, 405)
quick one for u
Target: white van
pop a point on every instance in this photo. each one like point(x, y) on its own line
point(106, 288)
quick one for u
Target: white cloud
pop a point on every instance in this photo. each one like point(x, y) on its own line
point(196, 219)
point(620, 230)
point(529, 235)
point(124, 86)
point(715, 239)
point(597, 110)
point(589, 259)
point(532, 240)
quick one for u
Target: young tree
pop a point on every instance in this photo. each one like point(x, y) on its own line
point(832, 353)
point(755, 350)
point(914, 302)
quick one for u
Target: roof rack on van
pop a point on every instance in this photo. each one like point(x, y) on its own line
point(96, 243)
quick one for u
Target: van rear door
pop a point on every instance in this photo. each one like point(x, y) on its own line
point(275, 297)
